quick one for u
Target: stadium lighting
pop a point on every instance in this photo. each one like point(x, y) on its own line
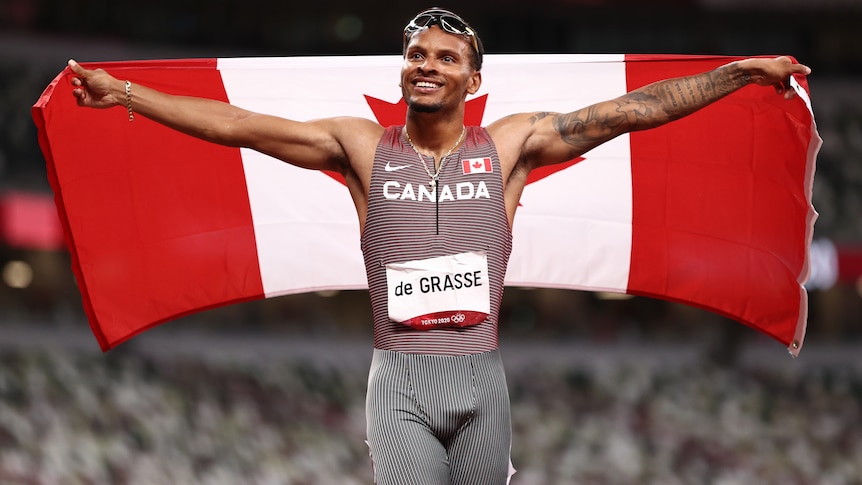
point(17, 274)
point(608, 295)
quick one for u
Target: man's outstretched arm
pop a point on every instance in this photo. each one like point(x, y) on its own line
point(312, 145)
point(556, 137)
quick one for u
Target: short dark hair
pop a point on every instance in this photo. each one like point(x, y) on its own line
point(449, 22)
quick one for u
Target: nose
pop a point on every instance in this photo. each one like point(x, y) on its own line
point(427, 65)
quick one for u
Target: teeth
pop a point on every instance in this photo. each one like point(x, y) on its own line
point(425, 84)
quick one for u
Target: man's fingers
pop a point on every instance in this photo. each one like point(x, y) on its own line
point(78, 79)
point(787, 87)
point(801, 69)
point(784, 87)
point(79, 91)
point(795, 67)
point(76, 68)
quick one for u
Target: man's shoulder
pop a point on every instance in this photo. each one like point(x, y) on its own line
point(355, 131)
point(510, 132)
point(357, 126)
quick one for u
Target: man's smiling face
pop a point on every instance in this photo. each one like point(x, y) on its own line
point(437, 71)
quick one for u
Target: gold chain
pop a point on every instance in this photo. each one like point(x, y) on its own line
point(435, 175)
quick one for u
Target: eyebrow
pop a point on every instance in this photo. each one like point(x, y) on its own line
point(441, 51)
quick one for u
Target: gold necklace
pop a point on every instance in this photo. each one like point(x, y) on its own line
point(436, 174)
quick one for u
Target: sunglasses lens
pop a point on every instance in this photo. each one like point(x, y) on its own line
point(420, 22)
point(448, 23)
point(453, 25)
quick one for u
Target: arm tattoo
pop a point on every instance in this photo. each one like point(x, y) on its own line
point(647, 107)
point(538, 116)
point(682, 96)
point(586, 128)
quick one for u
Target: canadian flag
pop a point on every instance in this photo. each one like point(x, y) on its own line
point(713, 210)
point(476, 165)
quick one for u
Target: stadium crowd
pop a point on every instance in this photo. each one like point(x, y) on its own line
point(128, 417)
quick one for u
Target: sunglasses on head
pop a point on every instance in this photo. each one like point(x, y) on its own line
point(448, 22)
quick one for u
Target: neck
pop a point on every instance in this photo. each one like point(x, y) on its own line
point(434, 138)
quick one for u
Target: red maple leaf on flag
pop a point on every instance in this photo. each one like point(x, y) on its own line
point(392, 114)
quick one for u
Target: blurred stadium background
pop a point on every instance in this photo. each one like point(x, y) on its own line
point(604, 391)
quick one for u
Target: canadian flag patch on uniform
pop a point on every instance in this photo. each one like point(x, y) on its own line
point(476, 165)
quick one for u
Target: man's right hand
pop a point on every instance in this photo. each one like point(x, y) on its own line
point(96, 88)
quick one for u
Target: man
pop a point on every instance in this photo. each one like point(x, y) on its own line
point(437, 404)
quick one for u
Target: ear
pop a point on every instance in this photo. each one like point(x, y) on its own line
point(475, 82)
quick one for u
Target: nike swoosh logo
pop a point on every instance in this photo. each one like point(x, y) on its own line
point(390, 168)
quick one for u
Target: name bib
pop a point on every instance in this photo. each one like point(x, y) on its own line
point(447, 291)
